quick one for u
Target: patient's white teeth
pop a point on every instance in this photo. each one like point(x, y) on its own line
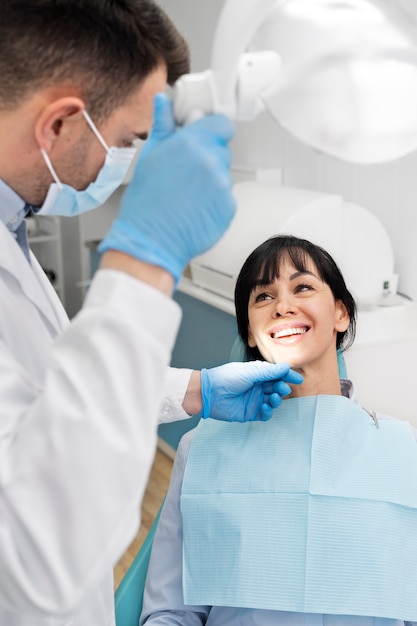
point(288, 332)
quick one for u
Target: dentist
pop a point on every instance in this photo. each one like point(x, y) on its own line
point(79, 401)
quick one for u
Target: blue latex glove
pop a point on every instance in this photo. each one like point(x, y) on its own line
point(245, 392)
point(179, 201)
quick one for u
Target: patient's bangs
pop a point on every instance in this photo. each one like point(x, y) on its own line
point(275, 260)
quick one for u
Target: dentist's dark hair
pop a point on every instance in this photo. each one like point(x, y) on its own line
point(103, 48)
point(263, 266)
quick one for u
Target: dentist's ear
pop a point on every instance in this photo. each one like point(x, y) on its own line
point(56, 121)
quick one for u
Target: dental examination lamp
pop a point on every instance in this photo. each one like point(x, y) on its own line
point(340, 75)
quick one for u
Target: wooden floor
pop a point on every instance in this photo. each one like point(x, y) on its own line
point(155, 493)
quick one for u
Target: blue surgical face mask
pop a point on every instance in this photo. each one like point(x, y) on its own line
point(64, 200)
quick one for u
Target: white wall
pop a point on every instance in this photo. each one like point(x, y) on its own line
point(389, 190)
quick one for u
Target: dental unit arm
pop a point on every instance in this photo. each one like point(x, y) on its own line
point(340, 76)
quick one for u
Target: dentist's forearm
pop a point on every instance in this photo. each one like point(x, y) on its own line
point(192, 403)
point(153, 275)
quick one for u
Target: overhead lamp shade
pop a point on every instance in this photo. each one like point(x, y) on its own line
point(340, 75)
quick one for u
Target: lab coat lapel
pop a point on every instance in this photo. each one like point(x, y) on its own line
point(32, 279)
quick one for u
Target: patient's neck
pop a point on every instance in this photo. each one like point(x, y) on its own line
point(318, 381)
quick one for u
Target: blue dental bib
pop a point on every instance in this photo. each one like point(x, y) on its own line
point(314, 511)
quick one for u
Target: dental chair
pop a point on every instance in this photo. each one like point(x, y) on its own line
point(129, 595)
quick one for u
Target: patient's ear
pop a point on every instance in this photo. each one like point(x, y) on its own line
point(251, 341)
point(342, 318)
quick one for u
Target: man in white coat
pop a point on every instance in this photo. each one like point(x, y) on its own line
point(79, 401)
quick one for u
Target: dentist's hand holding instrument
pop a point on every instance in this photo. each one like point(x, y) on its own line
point(160, 224)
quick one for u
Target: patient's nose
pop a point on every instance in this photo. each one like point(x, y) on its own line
point(285, 305)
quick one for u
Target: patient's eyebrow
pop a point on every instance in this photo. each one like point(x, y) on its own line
point(298, 274)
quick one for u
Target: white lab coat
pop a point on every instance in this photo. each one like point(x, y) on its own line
point(78, 413)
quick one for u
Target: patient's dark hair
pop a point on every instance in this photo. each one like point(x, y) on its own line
point(104, 47)
point(263, 266)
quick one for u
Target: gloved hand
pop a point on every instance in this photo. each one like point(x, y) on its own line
point(179, 201)
point(245, 392)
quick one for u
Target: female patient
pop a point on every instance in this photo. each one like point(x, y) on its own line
point(311, 517)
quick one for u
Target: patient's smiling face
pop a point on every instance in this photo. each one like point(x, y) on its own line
point(296, 319)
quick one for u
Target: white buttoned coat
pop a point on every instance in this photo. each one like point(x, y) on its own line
point(78, 412)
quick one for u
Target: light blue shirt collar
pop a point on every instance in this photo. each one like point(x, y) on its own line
point(12, 207)
point(12, 213)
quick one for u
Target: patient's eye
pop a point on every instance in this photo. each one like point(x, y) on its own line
point(262, 296)
point(303, 287)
